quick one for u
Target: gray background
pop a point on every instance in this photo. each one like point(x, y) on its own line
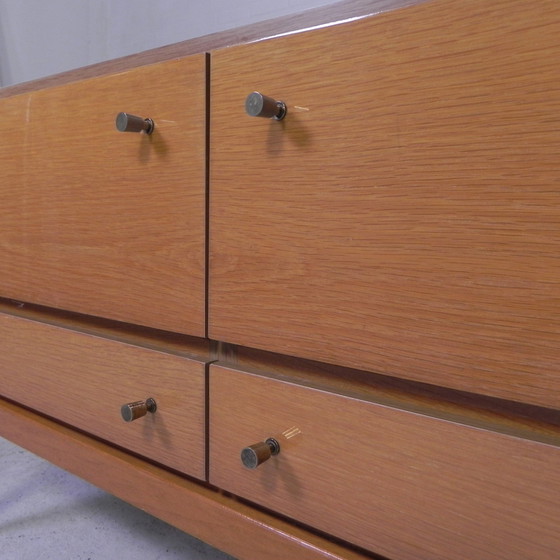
point(43, 37)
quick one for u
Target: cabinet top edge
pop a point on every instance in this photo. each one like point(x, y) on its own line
point(333, 14)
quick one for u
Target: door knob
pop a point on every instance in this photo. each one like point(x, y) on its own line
point(259, 105)
point(255, 455)
point(134, 410)
point(126, 122)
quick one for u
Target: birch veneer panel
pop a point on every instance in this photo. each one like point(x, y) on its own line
point(107, 223)
point(403, 218)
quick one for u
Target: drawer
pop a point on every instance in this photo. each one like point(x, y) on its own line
point(102, 222)
point(404, 216)
point(401, 484)
point(83, 380)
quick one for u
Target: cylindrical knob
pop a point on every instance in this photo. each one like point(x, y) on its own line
point(256, 454)
point(131, 123)
point(259, 105)
point(132, 411)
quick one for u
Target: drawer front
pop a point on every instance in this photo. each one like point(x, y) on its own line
point(401, 484)
point(103, 222)
point(84, 380)
point(404, 216)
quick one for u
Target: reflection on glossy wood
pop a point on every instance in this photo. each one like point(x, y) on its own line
point(105, 223)
point(403, 218)
point(407, 486)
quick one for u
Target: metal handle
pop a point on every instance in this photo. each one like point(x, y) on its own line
point(259, 105)
point(257, 454)
point(131, 123)
point(134, 410)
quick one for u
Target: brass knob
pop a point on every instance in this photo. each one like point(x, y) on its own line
point(257, 454)
point(134, 410)
point(131, 123)
point(259, 105)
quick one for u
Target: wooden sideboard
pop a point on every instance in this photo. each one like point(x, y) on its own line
point(362, 298)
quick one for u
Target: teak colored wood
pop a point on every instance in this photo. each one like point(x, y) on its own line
point(382, 293)
point(84, 380)
point(102, 222)
point(405, 485)
point(205, 513)
point(403, 217)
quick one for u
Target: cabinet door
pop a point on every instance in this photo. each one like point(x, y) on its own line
point(404, 216)
point(102, 222)
point(85, 380)
point(401, 484)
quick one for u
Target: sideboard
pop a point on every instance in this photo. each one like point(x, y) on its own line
point(295, 288)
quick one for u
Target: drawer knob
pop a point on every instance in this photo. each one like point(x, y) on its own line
point(134, 410)
point(259, 105)
point(256, 454)
point(131, 123)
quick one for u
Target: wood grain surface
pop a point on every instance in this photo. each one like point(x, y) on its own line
point(84, 380)
point(488, 413)
point(164, 341)
point(107, 223)
point(404, 485)
point(205, 513)
point(404, 217)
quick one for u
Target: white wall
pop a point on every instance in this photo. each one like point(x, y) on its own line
point(43, 37)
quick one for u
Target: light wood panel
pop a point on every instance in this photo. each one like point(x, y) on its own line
point(84, 380)
point(107, 223)
point(404, 485)
point(404, 217)
point(209, 515)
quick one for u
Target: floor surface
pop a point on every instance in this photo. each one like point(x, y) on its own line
point(49, 514)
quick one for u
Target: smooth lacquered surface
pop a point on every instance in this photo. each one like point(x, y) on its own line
point(105, 223)
point(402, 484)
point(403, 217)
point(83, 381)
